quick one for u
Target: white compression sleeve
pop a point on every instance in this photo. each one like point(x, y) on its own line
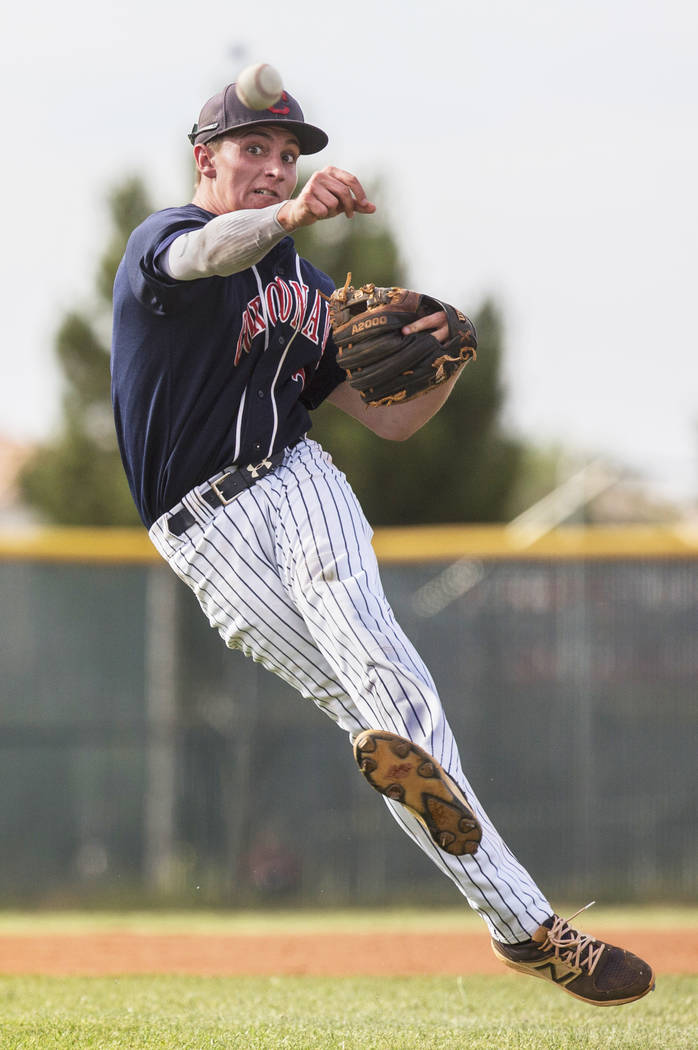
point(225, 245)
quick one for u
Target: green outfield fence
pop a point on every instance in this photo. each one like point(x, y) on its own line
point(141, 762)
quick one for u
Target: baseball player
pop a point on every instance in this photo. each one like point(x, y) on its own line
point(222, 348)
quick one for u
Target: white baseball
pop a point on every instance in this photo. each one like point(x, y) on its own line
point(260, 86)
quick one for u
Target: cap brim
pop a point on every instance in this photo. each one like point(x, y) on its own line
point(310, 138)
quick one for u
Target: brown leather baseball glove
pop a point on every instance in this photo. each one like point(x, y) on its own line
point(385, 366)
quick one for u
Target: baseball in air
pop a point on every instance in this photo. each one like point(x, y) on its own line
point(260, 86)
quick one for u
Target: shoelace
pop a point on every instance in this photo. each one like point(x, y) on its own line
point(570, 945)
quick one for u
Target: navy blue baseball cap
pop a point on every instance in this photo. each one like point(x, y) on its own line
point(225, 112)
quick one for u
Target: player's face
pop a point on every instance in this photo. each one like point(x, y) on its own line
point(256, 168)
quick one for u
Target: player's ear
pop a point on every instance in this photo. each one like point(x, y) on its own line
point(205, 160)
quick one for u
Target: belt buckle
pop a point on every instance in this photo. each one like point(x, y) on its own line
point(219, 481)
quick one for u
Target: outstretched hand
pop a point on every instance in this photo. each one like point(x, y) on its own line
point(327, 193)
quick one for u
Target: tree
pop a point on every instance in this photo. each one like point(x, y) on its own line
point(78, 478)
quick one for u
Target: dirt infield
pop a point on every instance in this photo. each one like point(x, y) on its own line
point(335, 954)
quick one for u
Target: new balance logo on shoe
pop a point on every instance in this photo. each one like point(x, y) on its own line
point(588, 969)
point(557, 974)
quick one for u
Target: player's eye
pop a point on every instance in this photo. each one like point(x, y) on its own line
point(289, 158)
point(255, 149)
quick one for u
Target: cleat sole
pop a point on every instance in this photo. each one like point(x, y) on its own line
point(406, 773)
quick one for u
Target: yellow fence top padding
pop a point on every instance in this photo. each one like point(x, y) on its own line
point(404, 544)
point(450, 542)
point(115, 546)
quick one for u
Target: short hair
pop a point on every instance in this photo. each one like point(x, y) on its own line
point(214, 145)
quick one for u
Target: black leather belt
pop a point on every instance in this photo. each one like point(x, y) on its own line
point(224, 490)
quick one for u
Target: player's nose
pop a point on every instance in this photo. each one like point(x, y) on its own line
point(275, 166)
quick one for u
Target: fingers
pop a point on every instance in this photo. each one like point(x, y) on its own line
point(327, 193)
point(436, 323)
point(333, 191)
point(347, 189)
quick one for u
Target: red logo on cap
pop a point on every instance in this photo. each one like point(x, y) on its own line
point(281, 110)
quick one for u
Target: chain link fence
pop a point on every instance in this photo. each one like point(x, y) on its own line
point(142, 762)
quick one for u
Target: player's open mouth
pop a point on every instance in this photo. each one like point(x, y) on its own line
point(266, 193)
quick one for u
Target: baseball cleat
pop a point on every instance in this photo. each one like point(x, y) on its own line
point(404, 772)
point(588, 969)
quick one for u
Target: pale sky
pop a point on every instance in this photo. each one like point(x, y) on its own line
point(544, 153)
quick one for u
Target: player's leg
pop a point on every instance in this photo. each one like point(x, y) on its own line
point(330, 570)
point(227, 558)
point(332, 574)
point(230, 559)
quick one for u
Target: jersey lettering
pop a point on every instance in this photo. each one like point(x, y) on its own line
point(310, 328)
point(285, 301)
point(257, 315)
point(252, 325)
point(271, 297)
point(301, 297)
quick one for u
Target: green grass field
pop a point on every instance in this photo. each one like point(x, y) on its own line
point(294, 1013)
point(305, 1013)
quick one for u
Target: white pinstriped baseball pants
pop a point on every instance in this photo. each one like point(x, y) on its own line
point(287, 574)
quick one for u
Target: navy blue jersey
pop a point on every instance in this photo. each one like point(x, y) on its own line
point(215, 371)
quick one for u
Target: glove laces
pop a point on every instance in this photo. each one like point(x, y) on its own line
point(571, 947)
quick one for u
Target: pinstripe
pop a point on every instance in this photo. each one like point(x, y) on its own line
point(318, 628)
point(353, 668)
point(277, 643)
point(460, 867)
point(311, 615)
point(351, 626)
point(509, 887)
point(378, 610)
point(303, 584)
point(287, 574)
point(472, 889)
point(291, 621)
point(283, 652)
point(269, 656)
